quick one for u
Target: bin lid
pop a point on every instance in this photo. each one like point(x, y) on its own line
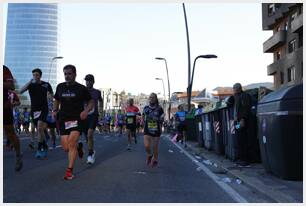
point(285, 93)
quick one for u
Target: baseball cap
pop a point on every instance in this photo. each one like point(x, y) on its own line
point(89, 77)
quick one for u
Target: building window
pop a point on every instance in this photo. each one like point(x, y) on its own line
point(292, 45)
point(271, 9)
point(300, 39)
point(286, 26)
point(291, 74)
point(282, 77)
point(293, 16)
point(278, 55)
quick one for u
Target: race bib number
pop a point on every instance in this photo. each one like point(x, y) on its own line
point(37, 114)
point(152, 125)
point(71, 124)
point(130, 120)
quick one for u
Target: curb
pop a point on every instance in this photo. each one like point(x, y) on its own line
point(268, 191)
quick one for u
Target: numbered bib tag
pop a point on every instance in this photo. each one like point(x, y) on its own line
point(71, 124)
point(152, 125)
point(130, 120)
point(36, 114)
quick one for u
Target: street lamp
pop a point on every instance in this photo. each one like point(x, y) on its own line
point(169, 109)
point(163, 88)
point(54, 58)
point(189, 89)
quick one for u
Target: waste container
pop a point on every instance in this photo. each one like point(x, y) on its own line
point(253, 154)
point(217, 131)
point(231, 144)
point(207, 124)
point(199, 129)
point(280, 130)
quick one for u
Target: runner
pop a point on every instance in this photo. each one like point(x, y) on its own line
point(92, 117)
point(113, 119)
point(107, 120)
point(120, 120)
point(131, 112)
point(17, 120)
point(70, 97)
point(51, 122)
point(39, 108)
point(26, 120)
point(180, 117)
point(33, 133)
point(153, 115)
point(8, 83)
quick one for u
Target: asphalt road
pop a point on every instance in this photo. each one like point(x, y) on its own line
point(118, 176)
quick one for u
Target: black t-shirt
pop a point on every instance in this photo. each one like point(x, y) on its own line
point(38, 94)
point(72, 99)
point(152, 120)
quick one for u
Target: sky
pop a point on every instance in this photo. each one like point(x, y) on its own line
point(118, 43)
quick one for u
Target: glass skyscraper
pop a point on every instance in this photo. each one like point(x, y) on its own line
point(32, 41)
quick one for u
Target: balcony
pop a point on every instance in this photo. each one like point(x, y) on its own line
point(297, 24)
point(275, 41)
point(293, 58)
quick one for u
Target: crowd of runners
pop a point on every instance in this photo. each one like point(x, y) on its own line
point(71, 111)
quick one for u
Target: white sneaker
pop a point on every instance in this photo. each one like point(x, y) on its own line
point(91, 158)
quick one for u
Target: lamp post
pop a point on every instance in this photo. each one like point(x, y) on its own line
point(169, 108)
point(188, 51)
point(189, 89)
point(54, 58)
point(164, 90)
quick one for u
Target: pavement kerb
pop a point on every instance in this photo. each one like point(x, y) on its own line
point(277, 196)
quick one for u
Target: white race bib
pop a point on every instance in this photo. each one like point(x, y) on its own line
point(37, 114)
point(71, 124)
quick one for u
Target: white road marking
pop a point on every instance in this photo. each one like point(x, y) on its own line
point(232, 193)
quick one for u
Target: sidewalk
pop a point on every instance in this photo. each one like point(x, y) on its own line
point(281, 191)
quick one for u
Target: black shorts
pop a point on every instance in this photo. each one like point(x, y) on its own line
point(68, 126)
point(131, 127)
point(51, 125)
point(8, 116)
point(91, 122)
point(40, 117)
point(181, 127)
point(25, 124)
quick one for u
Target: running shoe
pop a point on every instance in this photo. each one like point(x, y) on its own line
point(154, 163)
point(135, 140)
point(31, 145)
point(80, 150)
point(44, 153)
point(38, 154)
point(19, 163)
point(149, 158)
point(128, 147)
point(68, 174)
point(91, 158)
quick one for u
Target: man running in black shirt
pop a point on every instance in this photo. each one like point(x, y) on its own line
point(70, 97)
point(92, 118)
point(39, 108)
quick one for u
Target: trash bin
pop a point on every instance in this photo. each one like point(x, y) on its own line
point(280, 132)
point(253, 154)
point(217, 131)
point(207, 126)
point(230, 143)
point(199, 129)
